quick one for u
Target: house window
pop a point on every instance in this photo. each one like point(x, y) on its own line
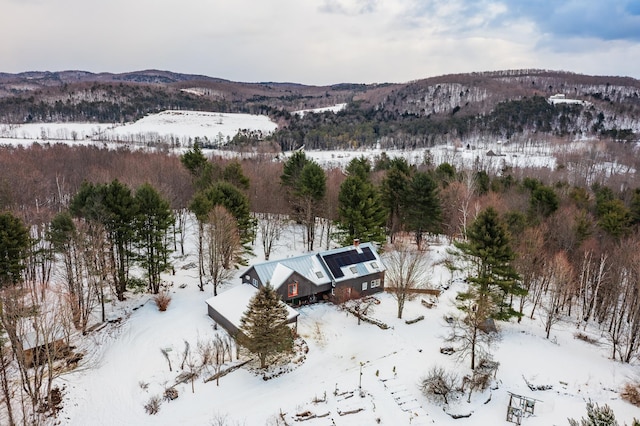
point(248, 278)
point(374, 265)
point(255, 283)
point(375, 283)
point(319, 274)
point(293, 289)
point(353, 269)
point(364, 286)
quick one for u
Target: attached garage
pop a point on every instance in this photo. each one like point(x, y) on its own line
point(227, 308)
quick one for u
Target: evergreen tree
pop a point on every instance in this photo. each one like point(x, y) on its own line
point(393, 193)
point(361, 212)
point(235, 201)
point(305, 184)
point(309, 193)
point(359, 167)
point(113, 206)
point(422, 207)
point(14, 244)
point(445, 173)
point(121, 212)
point(202, 171)
point(494, 280)
point(152, 223)
point(264, 326)
point(544, 201)
point(292, 169)
point(233, 174)
point(615, 218)
point(597, 416)
point(635, 207)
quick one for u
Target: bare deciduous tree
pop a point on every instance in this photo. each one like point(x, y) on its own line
point(222, 247)
point(406, 270)
point(561, 274)
point(270, 226)
point(439, 384)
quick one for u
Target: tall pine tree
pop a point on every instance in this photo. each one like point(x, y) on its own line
point(152, 223)
point(14, 243)
point(493, 281)
point(422, 207)
point(305, 184)
point(264, 326)
point(360, 208)
point(393, 192)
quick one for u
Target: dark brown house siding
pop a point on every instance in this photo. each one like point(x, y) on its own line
point(354, 288)
point(305, 288)
point(223, 322)
point(251, 277)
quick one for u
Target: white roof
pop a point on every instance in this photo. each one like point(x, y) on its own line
point(32, 339)
point(233, 303)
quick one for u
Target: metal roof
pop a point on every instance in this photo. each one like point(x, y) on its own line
point(323, 267)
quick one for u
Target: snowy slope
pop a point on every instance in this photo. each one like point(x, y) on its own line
point(107, 388)
point(180, 125)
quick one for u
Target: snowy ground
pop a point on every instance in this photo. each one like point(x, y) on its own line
point(125, 367)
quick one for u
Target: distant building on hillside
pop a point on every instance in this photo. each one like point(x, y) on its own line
point(560, 98)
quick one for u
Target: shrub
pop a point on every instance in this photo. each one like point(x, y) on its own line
point(631, 393)
point(162, 300)
point(439, 384)
point(170, 394)
point(153, 406)
point(586, 338)
point(137, 285)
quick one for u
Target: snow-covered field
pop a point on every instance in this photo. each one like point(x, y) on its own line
point(179, 125)
point(124, 367)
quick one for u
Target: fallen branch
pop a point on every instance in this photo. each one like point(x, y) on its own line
point(344, 413)
point(225, 372)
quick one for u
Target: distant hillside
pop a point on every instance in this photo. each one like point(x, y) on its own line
point(460, 107)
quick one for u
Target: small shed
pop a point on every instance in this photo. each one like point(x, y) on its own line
point(227, 308)
point(38, 348)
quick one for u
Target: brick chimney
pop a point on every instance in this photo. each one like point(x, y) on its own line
point(356, 242)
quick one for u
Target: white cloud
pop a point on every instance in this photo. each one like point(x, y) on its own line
point(311, 41)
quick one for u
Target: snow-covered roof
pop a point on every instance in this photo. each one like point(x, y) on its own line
point(233, 303)
point(308, 265)
point(323, 267)
point(33, 340)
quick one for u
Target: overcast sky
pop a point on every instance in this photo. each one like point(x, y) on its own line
point(321, 41)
